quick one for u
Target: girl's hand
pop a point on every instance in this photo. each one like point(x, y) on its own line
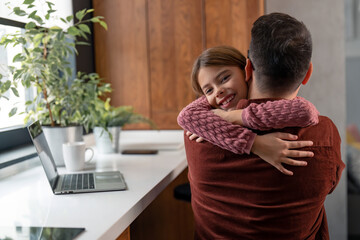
point(234, 116)
point(274, 149)
point(193, 136)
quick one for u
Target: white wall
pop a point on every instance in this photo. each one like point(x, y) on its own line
point(326, 89)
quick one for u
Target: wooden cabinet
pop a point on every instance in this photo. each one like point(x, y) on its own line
point(150, 46)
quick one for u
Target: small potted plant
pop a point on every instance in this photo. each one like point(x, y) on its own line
point(62, 98)
point(107, 122)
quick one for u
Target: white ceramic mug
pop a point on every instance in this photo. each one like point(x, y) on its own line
point(74, 155)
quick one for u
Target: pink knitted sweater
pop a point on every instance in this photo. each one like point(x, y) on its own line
point(197, 118)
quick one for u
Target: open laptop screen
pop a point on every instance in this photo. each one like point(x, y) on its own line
point(44, 152)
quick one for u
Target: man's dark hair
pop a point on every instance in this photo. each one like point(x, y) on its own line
point(280, 52)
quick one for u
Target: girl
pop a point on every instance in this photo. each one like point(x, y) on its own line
point(218, 74)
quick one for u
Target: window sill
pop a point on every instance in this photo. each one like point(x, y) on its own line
point(17, 160)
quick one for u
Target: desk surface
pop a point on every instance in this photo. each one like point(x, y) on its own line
point(26, 198)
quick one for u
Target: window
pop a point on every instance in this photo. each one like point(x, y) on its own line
point(6, 56)
point(13, 134)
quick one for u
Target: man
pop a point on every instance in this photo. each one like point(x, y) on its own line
point(243, 197)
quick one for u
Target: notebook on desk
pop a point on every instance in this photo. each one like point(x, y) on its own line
point(72, 183)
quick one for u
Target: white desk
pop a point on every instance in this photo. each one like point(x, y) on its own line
point(26, 198)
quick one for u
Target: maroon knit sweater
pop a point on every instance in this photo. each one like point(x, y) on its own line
point(197, 118)
point(243, 197)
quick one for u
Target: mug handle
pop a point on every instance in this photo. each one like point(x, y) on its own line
point(92, 154)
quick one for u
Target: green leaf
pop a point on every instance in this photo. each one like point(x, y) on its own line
point(5, 86)
point(107, 104)
point(83, 43)
point(1, 76)
point(13, 112)
point(32, 14)
point(31, 6)
point(30, 25)
point(19, 12)
point(19, 58)
point(37, 39)
point(26, 51)
point(22, 40)
point(15, 91)
point(95, 19)
point(84, 28)
point(50, 4)
point(28, 2)
point(62, 19)
point(73, 31)
point(104, 25)
point(83, 35)
point(17, 74)
point(69, 18)
point(37, 18)
point(80, 14)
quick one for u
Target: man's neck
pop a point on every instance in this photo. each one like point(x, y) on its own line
point(254, 93)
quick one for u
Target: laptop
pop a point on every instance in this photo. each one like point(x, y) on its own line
point(77, 182)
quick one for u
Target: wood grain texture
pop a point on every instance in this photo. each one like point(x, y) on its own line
point(166, 217)
point(174, 42)
point(121, 52)
point(148, 52)
point(229, 22)
point(125, 234)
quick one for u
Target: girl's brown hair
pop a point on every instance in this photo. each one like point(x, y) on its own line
point(216, 56)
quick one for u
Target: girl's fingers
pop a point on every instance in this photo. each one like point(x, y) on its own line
point(299, 154)
point(188, 133)
point(193, 136)
point(293, 162)
point(200, 139)
point(285, 136)
point(299, 144)
point(284, 170)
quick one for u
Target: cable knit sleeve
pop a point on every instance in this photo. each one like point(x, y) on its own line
point(197, 118)
point(279, 114)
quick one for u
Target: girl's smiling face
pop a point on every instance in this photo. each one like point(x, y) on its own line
point(223, 86)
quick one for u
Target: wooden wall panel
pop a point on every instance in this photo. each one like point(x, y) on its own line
point(148, 51)
point(229, 22)
point(175, 41)
point(121, 52)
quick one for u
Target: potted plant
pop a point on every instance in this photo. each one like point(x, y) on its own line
point(107, 122)
point(62, 98)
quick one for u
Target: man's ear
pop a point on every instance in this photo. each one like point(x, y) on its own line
point(308, 74)
point(248, 70)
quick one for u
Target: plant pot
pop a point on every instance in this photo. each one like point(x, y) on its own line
point(56, 136)
point(103, 142)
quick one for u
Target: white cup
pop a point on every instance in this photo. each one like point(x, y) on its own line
point(74, 155)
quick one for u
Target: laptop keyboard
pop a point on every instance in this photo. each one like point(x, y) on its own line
point(78, 181)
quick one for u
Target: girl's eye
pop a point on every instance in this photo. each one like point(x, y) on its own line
point(225, 78)
point(208, 91)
